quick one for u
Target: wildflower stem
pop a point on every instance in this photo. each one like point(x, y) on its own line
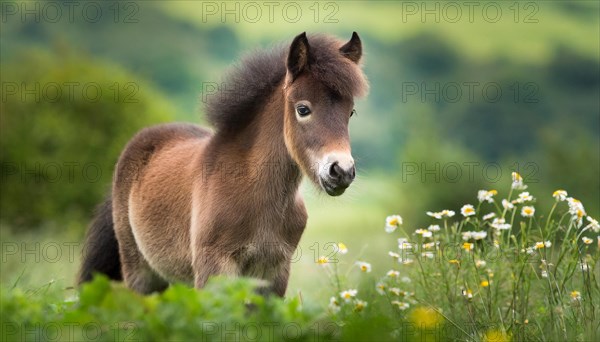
point(550, 216)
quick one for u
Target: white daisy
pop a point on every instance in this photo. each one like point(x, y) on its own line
point(392, 222)
point(467, 210)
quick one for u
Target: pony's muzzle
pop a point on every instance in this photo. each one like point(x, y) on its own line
point(337, 174)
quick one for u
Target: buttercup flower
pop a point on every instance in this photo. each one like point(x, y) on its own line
point(467, 246)
point(560, 195)
point(496, 335)
point(540, 245)
point(342, 249)
point(484, 283)
point(575, 295)
point(323, 261)
point(348, 294)
point(392, 222)
point(425, 318)
point(364, 266)
point(467, 210)
point(527, 211)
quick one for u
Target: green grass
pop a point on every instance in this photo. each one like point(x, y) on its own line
point(507, 285)
point(537, 280)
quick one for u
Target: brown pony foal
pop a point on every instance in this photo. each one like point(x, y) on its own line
point(188, 203)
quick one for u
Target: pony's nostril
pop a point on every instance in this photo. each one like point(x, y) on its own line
point(335, 171)
point(352, 172)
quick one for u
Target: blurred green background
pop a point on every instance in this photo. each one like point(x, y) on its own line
point(461, 95)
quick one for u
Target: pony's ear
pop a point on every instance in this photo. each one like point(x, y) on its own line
point(352, 49)
point(298, 57)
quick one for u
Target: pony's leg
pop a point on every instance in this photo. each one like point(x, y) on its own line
point(137, 274)
point(212, 261)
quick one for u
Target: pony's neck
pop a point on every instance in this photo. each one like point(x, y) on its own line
point(261, 153)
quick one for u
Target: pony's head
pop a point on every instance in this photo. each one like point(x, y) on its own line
point(323, 77)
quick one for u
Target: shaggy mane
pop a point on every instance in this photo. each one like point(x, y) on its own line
point(249, 84)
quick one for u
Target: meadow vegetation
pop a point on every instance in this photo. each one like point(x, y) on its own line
point(533, 276)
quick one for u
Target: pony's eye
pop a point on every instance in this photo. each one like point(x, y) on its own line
point(353, 112)
point(302, 110)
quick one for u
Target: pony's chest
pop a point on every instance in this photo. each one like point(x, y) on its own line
point(262, 258)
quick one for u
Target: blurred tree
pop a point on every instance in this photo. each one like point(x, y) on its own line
point(436, 173)
point(65, 119)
